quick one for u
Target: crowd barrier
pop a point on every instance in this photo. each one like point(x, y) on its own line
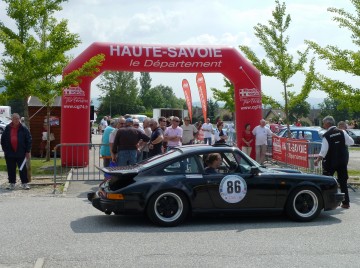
point(295, 154)
point(65, 171)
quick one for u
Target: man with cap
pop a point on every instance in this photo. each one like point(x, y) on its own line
point(125, 143)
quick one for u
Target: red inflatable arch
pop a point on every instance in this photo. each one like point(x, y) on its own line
point(75, 109)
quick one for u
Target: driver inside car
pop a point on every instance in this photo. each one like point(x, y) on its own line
point(213, 162)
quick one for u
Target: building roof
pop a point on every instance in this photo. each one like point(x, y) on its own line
point(35, 102)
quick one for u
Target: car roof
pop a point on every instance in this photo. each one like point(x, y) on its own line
point(200, 148)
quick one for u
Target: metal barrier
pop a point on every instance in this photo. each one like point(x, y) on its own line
point(313, 149)
point(69, 172)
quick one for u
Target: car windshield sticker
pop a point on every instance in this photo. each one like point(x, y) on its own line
point(233, 188)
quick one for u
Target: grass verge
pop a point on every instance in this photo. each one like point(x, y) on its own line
point(40, 167)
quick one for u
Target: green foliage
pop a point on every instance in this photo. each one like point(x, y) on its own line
point(34, 57)
point(343, 60)
point(213, 110)
point(279, 63)
point(120, 94)
point(335, 108)
point(225, 96)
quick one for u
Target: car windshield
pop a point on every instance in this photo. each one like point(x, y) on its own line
point(157, 159)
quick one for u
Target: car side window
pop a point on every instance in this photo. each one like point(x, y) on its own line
point(184, 166)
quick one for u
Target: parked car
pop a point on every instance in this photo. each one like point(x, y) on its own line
point(169, 187)
point(307, 133)
point(3, 124)
point(355, 134)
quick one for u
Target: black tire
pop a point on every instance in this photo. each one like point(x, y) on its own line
point(304, 204)
point(168, 208)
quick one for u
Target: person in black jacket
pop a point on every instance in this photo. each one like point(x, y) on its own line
point(16, 144)
point(335, 156)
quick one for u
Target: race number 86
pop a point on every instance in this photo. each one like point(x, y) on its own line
point(232, 188)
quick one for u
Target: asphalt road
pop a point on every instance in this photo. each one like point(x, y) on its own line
point(66, 231)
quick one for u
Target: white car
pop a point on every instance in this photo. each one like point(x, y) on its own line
point(3, 124)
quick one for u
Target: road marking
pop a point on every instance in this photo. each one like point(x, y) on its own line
point(39, 263)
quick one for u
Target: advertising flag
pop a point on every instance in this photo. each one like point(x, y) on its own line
point(187, 93)
point(200, 81)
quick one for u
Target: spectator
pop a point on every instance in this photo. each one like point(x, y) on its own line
point(148, 132)
point(125, 143)
point(261, 134)
point(208, 131)
point(335, 156)
point(163, 126)
point(298, 123)
point(103, 124)
point(342, 125)
point(247, 140)
point(16, 144)
point(220, 135)
point(355, 124)
point(120, 123)
point(105, 140)
point(173, 134)
point(189, 132)
point(156, 139)
point(136, 124)
point(213, 162)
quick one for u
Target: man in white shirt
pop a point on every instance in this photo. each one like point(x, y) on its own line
point(188, 132)
point(261, 132)
point(207, 128)
point(173, 134)
point(334, 155)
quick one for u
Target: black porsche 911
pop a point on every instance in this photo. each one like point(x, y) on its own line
point(169, 187)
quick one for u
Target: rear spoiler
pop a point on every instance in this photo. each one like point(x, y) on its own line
point(119, 170)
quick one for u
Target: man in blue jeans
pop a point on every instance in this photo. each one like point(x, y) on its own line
point(125, 144)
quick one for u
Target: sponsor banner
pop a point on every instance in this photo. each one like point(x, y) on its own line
point(74, 98)
point(250, 99)
point(291, 151)
point(200, 82)
point(187, 93)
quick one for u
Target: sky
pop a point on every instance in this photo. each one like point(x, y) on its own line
point(195, 22)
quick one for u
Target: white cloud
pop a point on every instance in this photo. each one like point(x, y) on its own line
point(195, 22)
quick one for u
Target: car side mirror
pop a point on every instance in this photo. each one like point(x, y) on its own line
point(254, 171)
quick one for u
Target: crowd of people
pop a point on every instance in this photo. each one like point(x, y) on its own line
point(126, 142)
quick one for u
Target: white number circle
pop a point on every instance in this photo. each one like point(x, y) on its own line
point(232, 188)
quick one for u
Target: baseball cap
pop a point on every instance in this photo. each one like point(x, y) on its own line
point(129, 120)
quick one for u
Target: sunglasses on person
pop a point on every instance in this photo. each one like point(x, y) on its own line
point(136, 125)
point(177, 121)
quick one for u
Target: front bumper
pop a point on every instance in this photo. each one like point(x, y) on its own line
point(334, 201)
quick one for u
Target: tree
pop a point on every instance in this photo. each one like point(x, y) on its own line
point(145, 87)
point(343, 60)
point(280, 64)
point(120, 94)
point(162, 96)
point(297, 109)
point(35, 56)
point(213, 110)
point(331, 106)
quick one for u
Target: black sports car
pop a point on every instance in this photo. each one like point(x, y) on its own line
point(168, 187)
